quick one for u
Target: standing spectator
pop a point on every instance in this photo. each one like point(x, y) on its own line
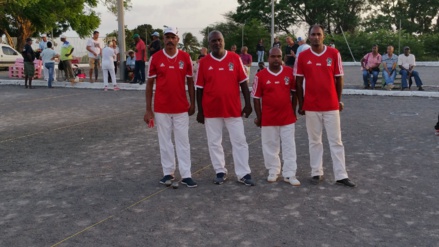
point(130, 65)
point(108, 57)
point(117, 58)
point(203, 53)
point(390, 61)
point(332, 43)
point(139, 73)
point(66, 58)
point(94, 52)
point(302, 46)
point(290, 52)
point(28, 59)
point(48, 56)
point(370, 64)
point(260, 49)
point(246, 59)
point(322, 68)
point(220, 76)
point(274, 86)
point(170, 68)
point(155, 44)
point(233, 48)
point(277, 43)
point(407, 63)
point(41, 46)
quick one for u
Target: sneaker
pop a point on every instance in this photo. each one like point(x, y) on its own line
point(404, 88)
point(247, 180)
point(293, 181)
point(167, 180)
point(272, 178)
point(116, 88)
point(346, 182)
point(389, 87)
point(105, 88)
point(220, 178)
point(189, 182)
point(421, 89)
point(316, 180)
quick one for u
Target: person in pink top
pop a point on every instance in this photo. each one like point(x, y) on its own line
point(370, 65)
point(246, 59)
point(139, 71)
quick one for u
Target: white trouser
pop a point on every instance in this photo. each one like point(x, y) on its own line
point(235, 127)
point(272, 137)
point(179, 124)
point(314, 126)
point(112, 74)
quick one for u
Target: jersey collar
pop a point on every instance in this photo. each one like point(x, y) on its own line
point(319, 54)
point(220, 59)
point(166, 54)
point(275, 74)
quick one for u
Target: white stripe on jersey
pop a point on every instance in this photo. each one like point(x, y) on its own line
point(149, 68)
point(255, 87)
point(245, 71)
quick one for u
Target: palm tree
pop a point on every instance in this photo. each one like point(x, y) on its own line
point(190, 44)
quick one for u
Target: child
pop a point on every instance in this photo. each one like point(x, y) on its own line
point(261, 66)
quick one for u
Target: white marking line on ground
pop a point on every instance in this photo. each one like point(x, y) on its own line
point(134, 204)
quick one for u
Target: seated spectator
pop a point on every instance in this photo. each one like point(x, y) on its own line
point(130, 65)
point(390, 61)
point(370, 64)
point(246, 59)
point(261, 66)
point(407, 63)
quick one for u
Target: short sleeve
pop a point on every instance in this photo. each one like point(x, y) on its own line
point(189, 68)
point(242, 73)
point(298, 67)
point(152, 68)
point(200, 74)
point(338, 66)
point(256, 89)
point(293, 84)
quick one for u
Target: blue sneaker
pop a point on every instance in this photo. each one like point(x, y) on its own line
point(167, 180)
point(220, 178)
point(189, 182)
point(247, 180)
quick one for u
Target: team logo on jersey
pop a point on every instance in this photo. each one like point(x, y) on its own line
point(328, 61)
point(231, 66)
point(210, 68)
point(287, 80)
point(162, 65)
point(309, 62)
point(268, 82)
point(180, 64)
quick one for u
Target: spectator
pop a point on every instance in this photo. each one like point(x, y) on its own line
point(28, 59)
point(390, 61)
point(94, 53)
point(302, 46)
point(246, 59)
point(139, 73)
point(277, 43)
point(407, 63)
point(290, 52)
point(48, 56)
point(108, 57)
point(332, 43)
point(117, 58)
point(203, 53)
point(370, 65)
point(66, 58)
point(155, 44)
point(41, 46)
point(261, 65)
point(233, 48)
point(260, 49)
point(276, 117)
point(130, 65)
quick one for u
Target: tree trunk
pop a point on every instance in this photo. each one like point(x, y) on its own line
point(8, 37)
point(25, 31)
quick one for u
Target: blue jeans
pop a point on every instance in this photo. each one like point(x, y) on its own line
point(139, 71)
point(404, 75)
point(389, 79)
point(260, 56)
point(366, 76)
point(50, 67)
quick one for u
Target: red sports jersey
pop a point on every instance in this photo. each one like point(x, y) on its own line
point(220, 79)
point(319, 71)
point(275, 91)
point(170, 74)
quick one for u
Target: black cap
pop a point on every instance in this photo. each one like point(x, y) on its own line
point(95, 32)
point(28, 39)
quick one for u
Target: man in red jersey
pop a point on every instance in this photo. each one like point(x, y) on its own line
point(322, 68)
point(169, 68)
point(220, 76)
point(276, 117)
point(139, 70)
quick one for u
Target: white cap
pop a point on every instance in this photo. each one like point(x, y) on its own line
point(63, 36)
point(155, 34)
point(43, 35)
point(172, 30)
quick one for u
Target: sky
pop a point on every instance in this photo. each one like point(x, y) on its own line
point(186, 15)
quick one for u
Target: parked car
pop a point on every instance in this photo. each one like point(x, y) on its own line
point(8, 55)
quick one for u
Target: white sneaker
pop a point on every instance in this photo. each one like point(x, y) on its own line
point(272, 178)
point(293, 181)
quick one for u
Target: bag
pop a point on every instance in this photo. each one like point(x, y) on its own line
point(61, 65)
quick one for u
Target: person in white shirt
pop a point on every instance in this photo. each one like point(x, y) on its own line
point(94, 52)
point(116, 51)
point(108, 57)
point(48, 56)
point(407, 63)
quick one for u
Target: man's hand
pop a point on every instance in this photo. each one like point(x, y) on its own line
point(200, 117)
point(257, 121)
point(246, 111)
point(341, 106)
point(149, 115)
point(191, 110)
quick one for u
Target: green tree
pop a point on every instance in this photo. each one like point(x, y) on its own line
point(190, 44)
point(112, 5)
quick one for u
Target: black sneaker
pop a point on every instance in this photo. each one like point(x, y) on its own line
point(220, 178)
point(247, 180)
point(167, 180)
point(421, 89)
point(346, 182)
point(404, 88)
point(316, 180)
point(189, 182)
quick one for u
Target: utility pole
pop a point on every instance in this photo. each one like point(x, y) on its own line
point(272, 23)
point(121, 38)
